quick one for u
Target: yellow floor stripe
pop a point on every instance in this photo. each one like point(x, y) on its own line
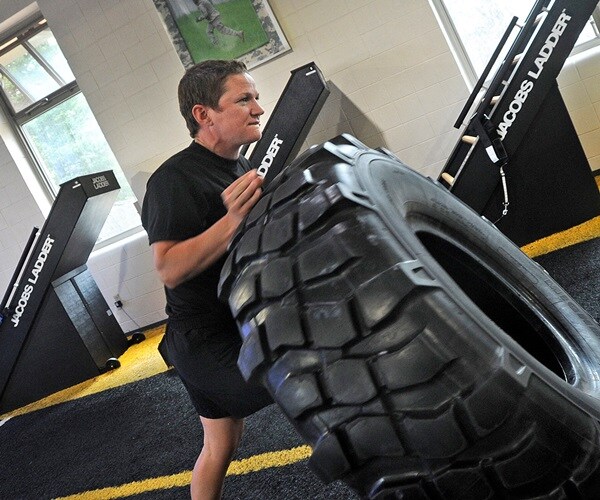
point(138, 362)
point(578, 234)
point(237, 467)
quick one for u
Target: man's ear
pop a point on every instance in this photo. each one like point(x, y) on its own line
point(200, 113)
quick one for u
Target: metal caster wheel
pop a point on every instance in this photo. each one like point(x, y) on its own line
point(112, 364)
point(136, 338)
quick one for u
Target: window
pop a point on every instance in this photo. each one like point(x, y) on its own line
point(52, 118)
point(475, 28)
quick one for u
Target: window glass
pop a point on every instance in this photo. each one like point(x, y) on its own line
point(45, 44)
point(28, 75)
point(61, 131)
point(480, 25)
point(17, 97)
point(67, 142)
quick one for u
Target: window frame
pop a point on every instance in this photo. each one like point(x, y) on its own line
point(20, 36)
point(461, 54)
point(15, 120)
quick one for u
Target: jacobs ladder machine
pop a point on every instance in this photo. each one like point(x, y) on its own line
point(57, 328)
point(519, 161)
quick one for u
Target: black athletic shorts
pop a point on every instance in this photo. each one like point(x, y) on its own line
point(206, 362)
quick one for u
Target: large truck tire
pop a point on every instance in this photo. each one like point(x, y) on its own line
point(416, 349)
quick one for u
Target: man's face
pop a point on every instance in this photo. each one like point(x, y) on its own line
point(236, 121)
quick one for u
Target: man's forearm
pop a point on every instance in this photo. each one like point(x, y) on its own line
point(179, 261)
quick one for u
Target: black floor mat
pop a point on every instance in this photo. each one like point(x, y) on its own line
point(134, 432)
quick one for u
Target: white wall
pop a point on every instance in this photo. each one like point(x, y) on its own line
point(394, 84)
point(18, 215)
point(579, 83)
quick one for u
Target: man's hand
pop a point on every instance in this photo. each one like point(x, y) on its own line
point(179, 261)
point(241, 195)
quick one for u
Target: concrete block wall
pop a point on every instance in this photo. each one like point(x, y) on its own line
point(126, 270)
point(394, 80)
point(579, 83)
point(394, 83)
point(19, 213)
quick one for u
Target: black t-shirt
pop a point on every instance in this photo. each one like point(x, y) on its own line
point(183, 199)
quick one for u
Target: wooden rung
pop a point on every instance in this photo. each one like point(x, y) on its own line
point(539, 18)
point(469, 139)
point(448, 178)
point(493, 100)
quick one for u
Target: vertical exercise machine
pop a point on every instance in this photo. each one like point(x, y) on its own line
point(519, 161)
point(57, 329)
point(294, 114)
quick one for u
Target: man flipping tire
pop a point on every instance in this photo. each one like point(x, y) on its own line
point(416, 349)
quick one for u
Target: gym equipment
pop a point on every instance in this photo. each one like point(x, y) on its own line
point(519, 161)
point(57, 329)
point(417, 350)
point(295, 112)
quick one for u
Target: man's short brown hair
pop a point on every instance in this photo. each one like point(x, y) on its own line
point(204, 83)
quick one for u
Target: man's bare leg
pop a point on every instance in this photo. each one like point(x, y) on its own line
point(221, 439)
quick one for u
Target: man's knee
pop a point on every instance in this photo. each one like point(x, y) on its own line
point(222, 437)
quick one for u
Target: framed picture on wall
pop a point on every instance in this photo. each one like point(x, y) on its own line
point(223, 29)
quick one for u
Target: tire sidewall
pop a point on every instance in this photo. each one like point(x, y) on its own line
point(409, 202)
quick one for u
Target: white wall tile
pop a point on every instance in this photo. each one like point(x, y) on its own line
point(342, 57)
point(321, 12)
point(585, 120)
point(143, 26)
point(568, 74)
point(592, 85)
point(139, 79)
point(333, 34)
point(575, 95)
point(387, 116)
point(9, 257)
point(126, 37)
point(98, 23)
point(87, 79)
point(145, 51)
point(116, 14)
point(376, 95)
point(140, 285)
point(595, 163)
point(591, 143)
point(442, 120)
point(433, 71)
point(588, 65)
point(409, 108)
point(408, 134)
point(365, 17)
